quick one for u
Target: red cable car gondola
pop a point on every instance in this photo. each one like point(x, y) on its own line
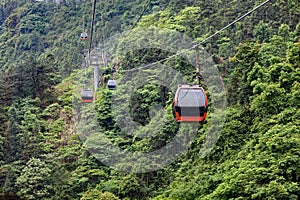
point(87, 96)
point(190, 104)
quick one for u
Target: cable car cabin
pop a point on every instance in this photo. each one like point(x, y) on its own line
point(83, 36)
point(190, 103)
point(87, 96)
point(112, 84)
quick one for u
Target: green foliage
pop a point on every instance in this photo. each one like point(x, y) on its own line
point(105, 117)
point(240, 87)
point(34, 180)
point(43, 154)
point(24, 130)
point(143, 100)
point(95, 194)
point(262, 32)
point(261, 172)
point(9, 174)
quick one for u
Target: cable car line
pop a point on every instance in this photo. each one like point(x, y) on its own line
point(202, 42)
point(190, 102)
point(87, 94)
point(192, 111)
point(139, 18)
point(230, 24)
point(92, 26)
point(112, 83)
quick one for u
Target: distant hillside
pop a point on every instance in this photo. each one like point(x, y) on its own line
point(52, 146)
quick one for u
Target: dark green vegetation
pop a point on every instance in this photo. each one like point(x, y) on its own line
point(257, 155)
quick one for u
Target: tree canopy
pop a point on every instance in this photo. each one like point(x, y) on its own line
point(52, 146)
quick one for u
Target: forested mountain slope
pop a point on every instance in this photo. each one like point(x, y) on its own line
point(45, 154)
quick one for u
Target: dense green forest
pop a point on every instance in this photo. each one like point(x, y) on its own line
point(52, 146)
